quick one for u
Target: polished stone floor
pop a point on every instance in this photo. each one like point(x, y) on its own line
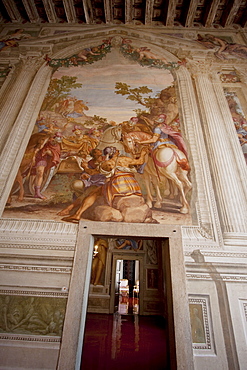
point(125, 341)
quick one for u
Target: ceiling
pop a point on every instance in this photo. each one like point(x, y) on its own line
point(169, 13)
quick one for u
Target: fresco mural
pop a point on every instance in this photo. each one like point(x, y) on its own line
point(32, 315)
point(239, 120)
point(13, 39)
point(107, 145)
point(223, 48)
point(197, 323)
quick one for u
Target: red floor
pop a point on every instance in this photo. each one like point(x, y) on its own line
point(125, 342)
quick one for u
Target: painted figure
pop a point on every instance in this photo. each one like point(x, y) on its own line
point(145, 52)
point(99, 261)
point(46, 158)
point(10, 41)
point(118, 171)
point(197, 328)
point(36, 143)
point(168, 161)
point(224, 48)
point(129, 244)
point(78, 142)
point(90, 180)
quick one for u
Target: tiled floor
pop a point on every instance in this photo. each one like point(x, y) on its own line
point(125, 342)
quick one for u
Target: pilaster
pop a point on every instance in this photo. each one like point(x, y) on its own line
point(14, 94)
point(208, 229)
point(222, 143)
point(18, 131)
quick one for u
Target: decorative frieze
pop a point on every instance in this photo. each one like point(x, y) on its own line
point(36, 246)
point(28, 338)
point(221, 254)
point(219, 277)
point(49, 234)
point(34, 226)
point(30, 268)
point(33, 293)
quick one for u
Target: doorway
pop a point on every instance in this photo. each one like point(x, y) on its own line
point(129, 335)
point(128, 286)
point(180, 348)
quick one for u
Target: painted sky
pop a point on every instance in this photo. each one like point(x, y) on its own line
point(98, 85)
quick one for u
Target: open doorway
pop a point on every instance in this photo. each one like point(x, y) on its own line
point(177, 348)
point(128, 286)
point(134, 331)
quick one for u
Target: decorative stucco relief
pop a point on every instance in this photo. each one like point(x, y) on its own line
point(24, 316)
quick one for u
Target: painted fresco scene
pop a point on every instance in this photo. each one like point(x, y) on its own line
point(239, 120)
point(32, 315)
point(107, 144)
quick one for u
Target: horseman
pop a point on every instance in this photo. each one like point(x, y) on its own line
point(164, 135)
point(168, 161)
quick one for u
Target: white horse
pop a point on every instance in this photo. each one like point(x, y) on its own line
point(167, 164)
point(111, 137)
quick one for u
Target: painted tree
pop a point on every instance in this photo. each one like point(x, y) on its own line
point(58, 90)
point(159, 104)
point(96, 122)
point(136, 94)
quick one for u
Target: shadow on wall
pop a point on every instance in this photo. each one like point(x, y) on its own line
point(224, 308)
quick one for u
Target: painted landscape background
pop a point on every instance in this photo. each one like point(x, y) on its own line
point(96, 90)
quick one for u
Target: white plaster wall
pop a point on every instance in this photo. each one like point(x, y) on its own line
point(215, 358)
point(238, 296)
point(27, 355)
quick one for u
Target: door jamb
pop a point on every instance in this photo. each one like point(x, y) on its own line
point(74, 323)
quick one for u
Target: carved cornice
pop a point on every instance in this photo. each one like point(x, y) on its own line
point(49, 227)
point(222, 277)
point(220, 254)
point(211, 66)
point(32, 268)
point(58, 234)
point(30, 338)
point(33, 293)
point(36, 246)
point(196, 233)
